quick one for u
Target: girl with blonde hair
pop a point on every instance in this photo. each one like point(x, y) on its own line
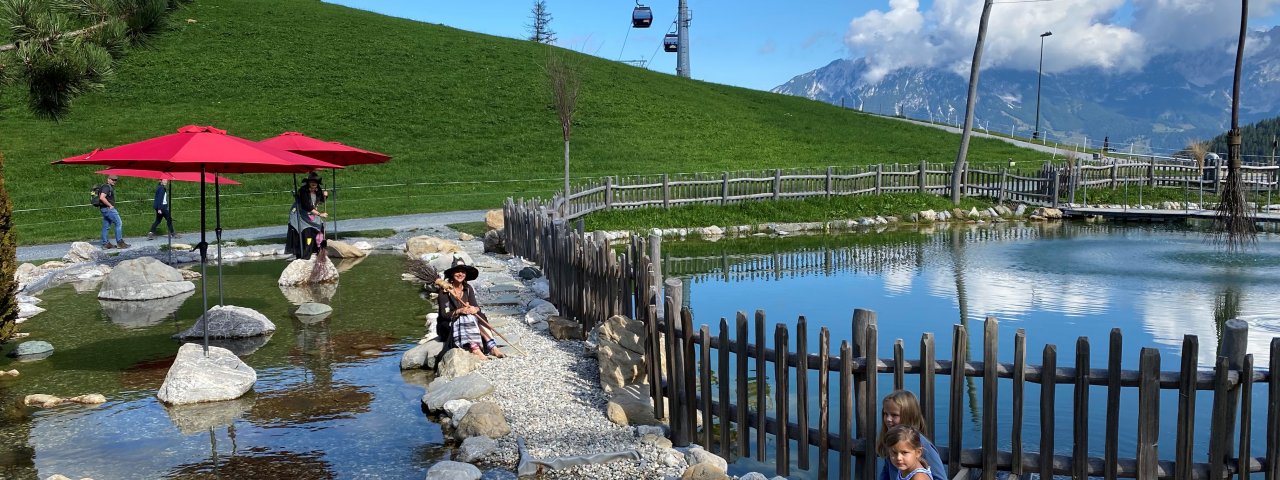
point(901, 407)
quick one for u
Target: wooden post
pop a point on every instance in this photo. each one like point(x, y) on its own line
point(724, 188)
point(1151, 174)
point(1182, 462)
point(689, 370)
point(959, 345)
point(1000, 196)
point(1111, 438)
point(704, 380)
point(1055, 186)
point(1235, 337)
point(830, 180)
point(928, 387)
point(846, 410)
point(655, 261)
point(990, 384)
point(879, 178)
point(666, 191)
point(674, 371)
point(781, 393)
point(722, 373)
point(741, 390)
point(861, 320)
point(1272, 471)
point(761, 382)
point(899, 365)
point(1245, 463)
point(1219, 434)
point(1148, 412)
point(1019, 395)
point(1048, 387)
point(608, 193)
point(922, 177)
point(1115, 174)
point(777, 183)
point(869, 429)
point(1080, 410)
point(802, 393)
point(824, 400)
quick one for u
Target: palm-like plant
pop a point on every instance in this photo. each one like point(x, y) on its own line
point(59, 50)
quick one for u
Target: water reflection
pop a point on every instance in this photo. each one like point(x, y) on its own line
point(314, 293)
point(144, 313)
point(200, 417)
point(257, 463)
point(242, 347)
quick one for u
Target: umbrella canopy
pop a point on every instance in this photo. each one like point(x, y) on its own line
point(196, 148)
point(332, 152)
point(172, 176)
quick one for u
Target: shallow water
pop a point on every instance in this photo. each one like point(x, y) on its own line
point(330, 400)
point(1057, 281)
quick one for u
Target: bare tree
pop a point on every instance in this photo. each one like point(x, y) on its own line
point(563, 79)
point(540, 28)
point(962, 155)
point(1235, 221)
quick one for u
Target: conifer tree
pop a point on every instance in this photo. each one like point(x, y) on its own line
point(8, 264)
point(540, 28)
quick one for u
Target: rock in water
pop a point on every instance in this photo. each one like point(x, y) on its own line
point(196, 378)
point(143, 278)
point(229, 321)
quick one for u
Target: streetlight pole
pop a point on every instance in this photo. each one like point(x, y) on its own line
point(1039, 74)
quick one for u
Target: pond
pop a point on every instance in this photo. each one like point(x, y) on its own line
point(1057, 281)
point(330, 400)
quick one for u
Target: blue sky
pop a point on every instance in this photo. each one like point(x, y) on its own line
point(760, 45)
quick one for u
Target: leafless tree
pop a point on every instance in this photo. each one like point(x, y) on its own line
point(564, 82)
point(963, 153)
point(1235, 221)
point(540, 26)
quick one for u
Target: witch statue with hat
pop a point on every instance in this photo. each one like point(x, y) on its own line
point(306, 222)
point(461, 323)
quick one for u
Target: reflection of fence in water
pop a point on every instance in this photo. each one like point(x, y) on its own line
point(826, 261)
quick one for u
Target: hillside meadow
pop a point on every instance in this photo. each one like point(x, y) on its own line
point(467, 118)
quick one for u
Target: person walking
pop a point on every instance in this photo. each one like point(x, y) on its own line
point(110, 216)
point(161, 205)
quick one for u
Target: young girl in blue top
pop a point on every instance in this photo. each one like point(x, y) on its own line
point(901, 408)
point(901, 445)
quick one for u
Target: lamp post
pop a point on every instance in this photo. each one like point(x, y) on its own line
point(1039, 74)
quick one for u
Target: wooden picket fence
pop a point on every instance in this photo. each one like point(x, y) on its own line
point(591, 281)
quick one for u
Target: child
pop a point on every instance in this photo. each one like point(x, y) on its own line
point(901, 408)
point(901, 445)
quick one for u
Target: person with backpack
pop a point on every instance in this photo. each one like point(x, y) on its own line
point(161, 206)
point(105, 195)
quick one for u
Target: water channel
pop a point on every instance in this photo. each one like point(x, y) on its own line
point(1058, 281)
point(330, 400)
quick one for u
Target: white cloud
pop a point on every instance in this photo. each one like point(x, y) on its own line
point(1115, 35)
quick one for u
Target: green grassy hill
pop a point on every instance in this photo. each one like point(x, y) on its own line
point(467, 118)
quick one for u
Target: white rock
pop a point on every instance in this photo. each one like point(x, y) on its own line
point(82, 252)
point(143, 278)
point(195, 377)
point(308, 272)
point(27, 310)
point(230, 321)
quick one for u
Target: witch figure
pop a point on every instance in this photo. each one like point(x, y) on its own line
point(306, 223)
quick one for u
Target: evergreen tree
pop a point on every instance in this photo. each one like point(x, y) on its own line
point(540, 28)
point(61, 49)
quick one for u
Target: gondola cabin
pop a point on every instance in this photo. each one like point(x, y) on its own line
point(671, 43)
point(641, 17)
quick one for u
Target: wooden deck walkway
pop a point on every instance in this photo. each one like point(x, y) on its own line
point(1156, 214)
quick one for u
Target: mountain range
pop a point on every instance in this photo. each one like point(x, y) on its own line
point(1177, 98)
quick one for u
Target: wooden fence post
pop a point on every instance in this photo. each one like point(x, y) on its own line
point(724, 188)
point(922, 177)
point(861, 320)
point(1151, 181)
point(655, 260)
point(666, 191)
point(777, 183)
point(1111, 437)
point(869, 430)
point(673, 291)
point(990, 382)
point(1056, 180)
point(608, 193)
point(1004, 187)
point(879, 179)
point(1115, 174)
point(1080, 409)
point(830, 180)
point(959, 350)
point(1234, 343)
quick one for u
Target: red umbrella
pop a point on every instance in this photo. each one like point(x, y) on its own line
point(332, 152)
point(201, 149)
point(173, 176)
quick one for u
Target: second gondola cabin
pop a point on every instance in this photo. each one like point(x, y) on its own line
point(641, 17)
point(671, 43)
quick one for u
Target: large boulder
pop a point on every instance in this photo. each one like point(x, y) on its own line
point(229, 321)
point(451, 470)
point(631, 405)
point(316, 270)
point(457, 362)
point(442, 261)
point(621, 353)
point(344, 250)
point(32, 350)
point(494, 242)
point(143, 278)
point(196, 377)
point(418, 246)
point(483, 419)
point(494, 219)
point(422, 356)
point(564, 329)
point(441, 390)
point(82, 252)
point(475, 448)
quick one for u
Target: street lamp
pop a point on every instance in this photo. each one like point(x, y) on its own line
point(1039, 74)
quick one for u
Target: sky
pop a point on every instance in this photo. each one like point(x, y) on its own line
point(760, 45)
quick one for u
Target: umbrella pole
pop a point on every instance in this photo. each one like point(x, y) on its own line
point(297, 201)
point(204, 260)
point(217, 208)
point(169, 191)
point(335, 202)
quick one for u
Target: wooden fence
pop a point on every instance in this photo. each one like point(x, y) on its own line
point(591, 281)
point(1048, 185)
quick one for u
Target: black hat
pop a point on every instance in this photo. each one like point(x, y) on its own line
point(461, 265)
point(313, 177)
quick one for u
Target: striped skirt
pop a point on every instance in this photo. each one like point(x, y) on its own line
point(466, 330)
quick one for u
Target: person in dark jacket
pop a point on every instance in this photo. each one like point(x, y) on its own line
point(161, 205)
point(306, 222)
point(460, 322)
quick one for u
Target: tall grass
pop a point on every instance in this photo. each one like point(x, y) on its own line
point(468, 118)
